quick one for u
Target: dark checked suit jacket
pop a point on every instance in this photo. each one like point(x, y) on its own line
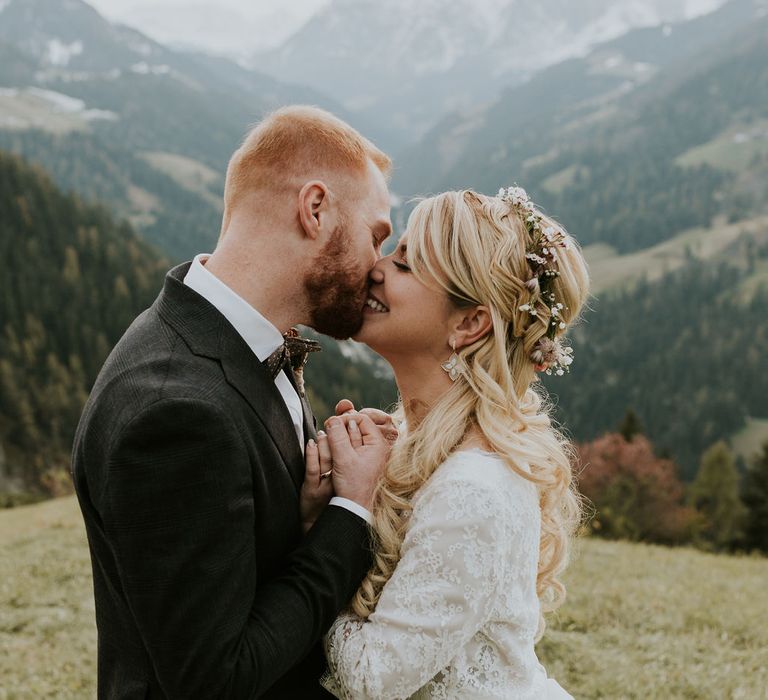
point(188, 471)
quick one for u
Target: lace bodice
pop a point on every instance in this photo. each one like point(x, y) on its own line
point(458, 617)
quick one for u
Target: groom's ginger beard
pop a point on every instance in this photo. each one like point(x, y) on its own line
point(336, 289)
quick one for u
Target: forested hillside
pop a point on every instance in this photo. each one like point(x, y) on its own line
point(175, 219)
point(630, 185)
point(687, 353)
point(73, 279)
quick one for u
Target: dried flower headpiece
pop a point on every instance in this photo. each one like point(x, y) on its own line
point(541, 253)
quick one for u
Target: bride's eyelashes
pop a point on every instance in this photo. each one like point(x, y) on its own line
point(401, 266)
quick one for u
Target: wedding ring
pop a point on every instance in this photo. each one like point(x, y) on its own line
point(327, 474)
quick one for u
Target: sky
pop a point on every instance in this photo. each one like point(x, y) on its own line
point(236, 28)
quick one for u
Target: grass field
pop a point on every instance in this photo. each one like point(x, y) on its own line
point(732, 150)
point(21, 109)
point(609, 270)
point(188, 173)
point(641, 621)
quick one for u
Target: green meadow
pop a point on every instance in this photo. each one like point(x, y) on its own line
point(640, 622)
point(732, 150)
point(611, 271)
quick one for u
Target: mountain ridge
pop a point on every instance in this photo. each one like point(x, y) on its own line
point(415, 69)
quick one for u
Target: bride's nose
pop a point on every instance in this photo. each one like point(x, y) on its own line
point(376, 274)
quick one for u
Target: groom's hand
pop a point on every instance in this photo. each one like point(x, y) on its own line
point(380, 418)
point(359, 452)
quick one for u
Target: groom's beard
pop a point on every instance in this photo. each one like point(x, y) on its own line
point(336, 289)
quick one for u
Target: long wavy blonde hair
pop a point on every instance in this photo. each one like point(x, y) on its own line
point(473, 248)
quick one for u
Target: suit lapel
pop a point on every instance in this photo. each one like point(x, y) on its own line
point(209, 334)
point(252, 381)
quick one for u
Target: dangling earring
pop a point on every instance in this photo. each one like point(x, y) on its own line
point(453, 366)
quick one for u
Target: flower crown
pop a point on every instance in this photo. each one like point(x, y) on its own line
point(549, 353)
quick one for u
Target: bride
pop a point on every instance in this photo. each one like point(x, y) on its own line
point(473, 515)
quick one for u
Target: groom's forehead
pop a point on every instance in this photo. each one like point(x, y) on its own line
point(376, 182)
point(378, 205)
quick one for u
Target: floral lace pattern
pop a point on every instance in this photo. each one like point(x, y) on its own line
point(458, 617)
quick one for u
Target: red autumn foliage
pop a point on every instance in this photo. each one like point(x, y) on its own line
point(636, 495)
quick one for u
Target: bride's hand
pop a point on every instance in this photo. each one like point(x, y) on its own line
point(360, 454)
point(317, 488)
point(381, 419)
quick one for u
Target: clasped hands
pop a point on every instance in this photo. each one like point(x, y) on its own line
point(346, 460)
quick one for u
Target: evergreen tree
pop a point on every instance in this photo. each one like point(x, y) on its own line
point(630, 425)
point(715, 495)
point(755, 497)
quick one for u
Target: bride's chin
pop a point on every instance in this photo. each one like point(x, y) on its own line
point(366, 335)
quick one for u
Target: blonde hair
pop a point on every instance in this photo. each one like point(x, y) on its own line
point(473, 248)
point(296, 141)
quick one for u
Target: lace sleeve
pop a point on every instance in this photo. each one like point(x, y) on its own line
point(439, 596)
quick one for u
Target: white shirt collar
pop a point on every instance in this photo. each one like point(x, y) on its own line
point(261, 336)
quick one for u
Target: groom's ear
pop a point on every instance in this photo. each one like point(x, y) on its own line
point(475, 323)
point(314, 208)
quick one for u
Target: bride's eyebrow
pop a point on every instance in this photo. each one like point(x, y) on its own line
point(402, 249)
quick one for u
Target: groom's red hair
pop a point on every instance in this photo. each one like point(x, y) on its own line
point(297, 141)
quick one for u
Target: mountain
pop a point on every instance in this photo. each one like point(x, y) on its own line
point(117, 117)
point(234, 29)
point(415, 61)
point(607, 142)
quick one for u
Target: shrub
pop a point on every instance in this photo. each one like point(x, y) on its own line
point(636, 494)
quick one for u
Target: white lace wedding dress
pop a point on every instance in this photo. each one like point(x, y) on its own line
point(458, 617)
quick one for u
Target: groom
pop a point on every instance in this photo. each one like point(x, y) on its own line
point(188, 460)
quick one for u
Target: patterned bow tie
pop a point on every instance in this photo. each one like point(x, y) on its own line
point(293, 352)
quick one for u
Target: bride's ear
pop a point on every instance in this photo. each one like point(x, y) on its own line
point(474, 324)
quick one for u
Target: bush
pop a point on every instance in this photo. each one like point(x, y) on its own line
point(755, 498)
point(637, 495)
point(715, 496)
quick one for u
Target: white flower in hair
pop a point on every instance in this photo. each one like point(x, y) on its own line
point(552, 355)
point(536, 258)
point(542, 256)
point(516, 196)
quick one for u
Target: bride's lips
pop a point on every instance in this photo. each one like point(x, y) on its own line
point(374, 305)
